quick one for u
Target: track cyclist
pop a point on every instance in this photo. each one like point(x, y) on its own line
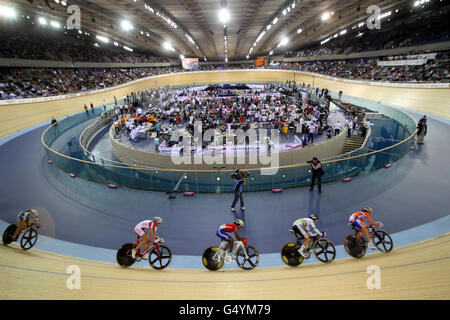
point(152, 226)
point(24, 219)
point(303, 226)
point(225, 229)
point(357, 220)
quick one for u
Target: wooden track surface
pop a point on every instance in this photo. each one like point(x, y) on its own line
point(14, 118)
point(418, 271)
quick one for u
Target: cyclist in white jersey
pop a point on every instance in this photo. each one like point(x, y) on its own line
point(140, 228)
point(303, 227)
point(23, 219)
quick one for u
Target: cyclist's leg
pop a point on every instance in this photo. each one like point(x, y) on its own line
point(20, 226)
point(304, 234)
point(142, 234)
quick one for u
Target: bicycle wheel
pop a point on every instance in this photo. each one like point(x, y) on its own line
point(123, 256)
point(251, 262)
point(383, 241)
point(211, 259)
point(290, 254)
point(162, 259)
point(8, 233)
point(29, 239)
point(324, 250)
point(353, 248)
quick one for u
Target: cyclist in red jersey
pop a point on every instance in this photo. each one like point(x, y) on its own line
point(224, 229)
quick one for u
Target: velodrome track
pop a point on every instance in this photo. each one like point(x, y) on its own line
point(416, 271)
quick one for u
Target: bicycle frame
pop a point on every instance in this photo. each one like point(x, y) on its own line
point(154, 244)
point(236, 246)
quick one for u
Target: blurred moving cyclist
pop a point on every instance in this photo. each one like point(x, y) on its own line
point(24, 219)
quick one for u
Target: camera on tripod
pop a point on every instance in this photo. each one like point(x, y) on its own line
point(238, 175)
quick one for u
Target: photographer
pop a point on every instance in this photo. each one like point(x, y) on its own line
point(317, 172)
point(240, 180)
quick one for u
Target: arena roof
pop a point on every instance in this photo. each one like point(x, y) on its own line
point(193, 28)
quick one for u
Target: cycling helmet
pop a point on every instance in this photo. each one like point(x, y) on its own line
point(368, 210)
point(314, 217)
point(33, 213)
point(158, 220)
point(239, 222)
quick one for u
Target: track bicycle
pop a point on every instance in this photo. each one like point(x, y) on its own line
point(246, 256)
point(159, 255)
point(323, 249)
point(356, 245)
point(28, 235)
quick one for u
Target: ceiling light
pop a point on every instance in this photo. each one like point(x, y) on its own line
point(293, 5)
point(271, 52)
point(102, 39)
point(284, 12)
point(55, 24)
point(224, 15)
point(126, 25)
point(64, 3)
point(325, 16)
point(247, 57)
point(299, 30)
point(275, 21)
point(96, 44)
point(42, 21)
point(57, 1)
point(269, 26)
point(181, 56)
point(284, 41)
point(8, 12)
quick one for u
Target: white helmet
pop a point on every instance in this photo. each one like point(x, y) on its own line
point(158, 220)
point(239, 222)
point(33, 213)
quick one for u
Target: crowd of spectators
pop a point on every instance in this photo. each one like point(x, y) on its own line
point(19, 83)
point(368, 69)
point(281, 107)
point(59, 48)
point(33, 83)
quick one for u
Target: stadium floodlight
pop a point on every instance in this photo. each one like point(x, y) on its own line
point(269, 26)
point(126, 25)
point(325, 16)
point(275, 20)
point(284, 12)
point(343, 32)
point(42, 21)
point(57, 1)
point(116, 43)
point(64, 3)
point(284, 41)
point(128, 49)
point(293, 5)
point(8, 12)
point(224, 15)
point(226, 59)
point(271, 52)
point(102, 39)
point(181, 57)
point(299, 30)
point(55, 24)
point(247, 56)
